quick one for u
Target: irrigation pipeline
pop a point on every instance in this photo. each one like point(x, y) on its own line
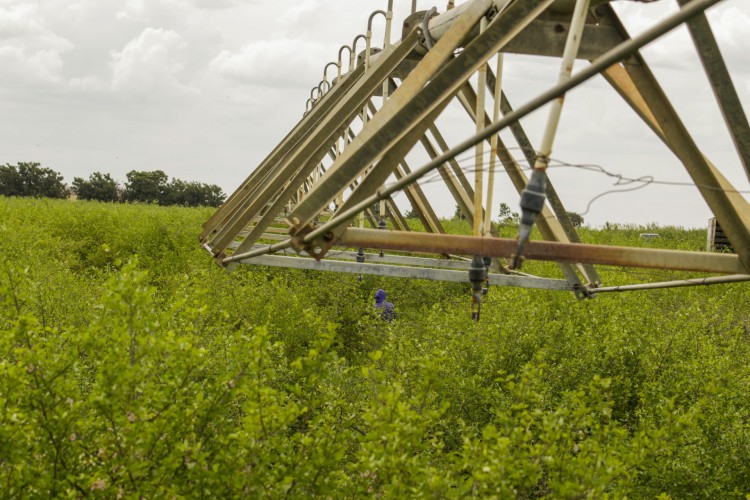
point(734, 278)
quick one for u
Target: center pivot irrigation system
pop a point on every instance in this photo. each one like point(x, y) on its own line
point(345, 160)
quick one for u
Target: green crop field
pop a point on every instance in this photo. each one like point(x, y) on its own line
point(131, 366)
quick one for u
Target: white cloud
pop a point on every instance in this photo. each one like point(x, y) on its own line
point(276, 63)
point(156, 12)
point(730, 28)
point(151, 63)
point(35, 67)
point(221, 4)
point(134, 10)
point(676, 49)
point(87, 84)
point(301, 14)
point(30, 52)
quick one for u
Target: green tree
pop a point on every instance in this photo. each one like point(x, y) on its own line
point(458, 214)
point(10, 181)
point(507, 216)
point(575, 219)
point(31, 179)
point(99, 187)
point(193, 194)
point(146, 187)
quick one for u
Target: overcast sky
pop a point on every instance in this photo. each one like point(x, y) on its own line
point(204, 89)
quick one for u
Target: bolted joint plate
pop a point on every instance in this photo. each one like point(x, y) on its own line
point(317, 248)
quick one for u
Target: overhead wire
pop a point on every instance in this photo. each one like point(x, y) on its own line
point(467, 165)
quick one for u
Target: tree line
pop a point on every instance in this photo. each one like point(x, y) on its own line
point(506, 216)
point(30, 179)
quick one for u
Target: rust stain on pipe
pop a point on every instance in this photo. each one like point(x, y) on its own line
point(545, 250)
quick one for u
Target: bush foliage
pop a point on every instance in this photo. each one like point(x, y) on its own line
point(132, 366)
point(29, 179)
point(32, 180)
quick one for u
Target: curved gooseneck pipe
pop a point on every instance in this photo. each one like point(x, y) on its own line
point(368, 45)
point(354, 45)
point(312, 95)
point(351, 59)
point(325, 70)
point(372, 16)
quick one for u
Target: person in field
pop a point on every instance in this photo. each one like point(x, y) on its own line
point(386, 309)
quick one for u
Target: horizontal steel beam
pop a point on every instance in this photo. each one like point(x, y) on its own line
point(456, 263)
point(549, 251)
point(404, 272)
point(547, 38)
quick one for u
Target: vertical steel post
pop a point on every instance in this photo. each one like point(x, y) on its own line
point(493, 144)
point(479, 150)
point(386, 85)
point(388, 24)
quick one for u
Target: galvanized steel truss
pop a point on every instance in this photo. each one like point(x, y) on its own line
point(346, 149)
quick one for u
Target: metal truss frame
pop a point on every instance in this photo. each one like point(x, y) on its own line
point(346, 149)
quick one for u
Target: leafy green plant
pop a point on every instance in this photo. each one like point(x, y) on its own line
point(131, 365)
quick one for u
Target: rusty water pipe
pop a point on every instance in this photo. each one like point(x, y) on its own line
point(440, 24)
